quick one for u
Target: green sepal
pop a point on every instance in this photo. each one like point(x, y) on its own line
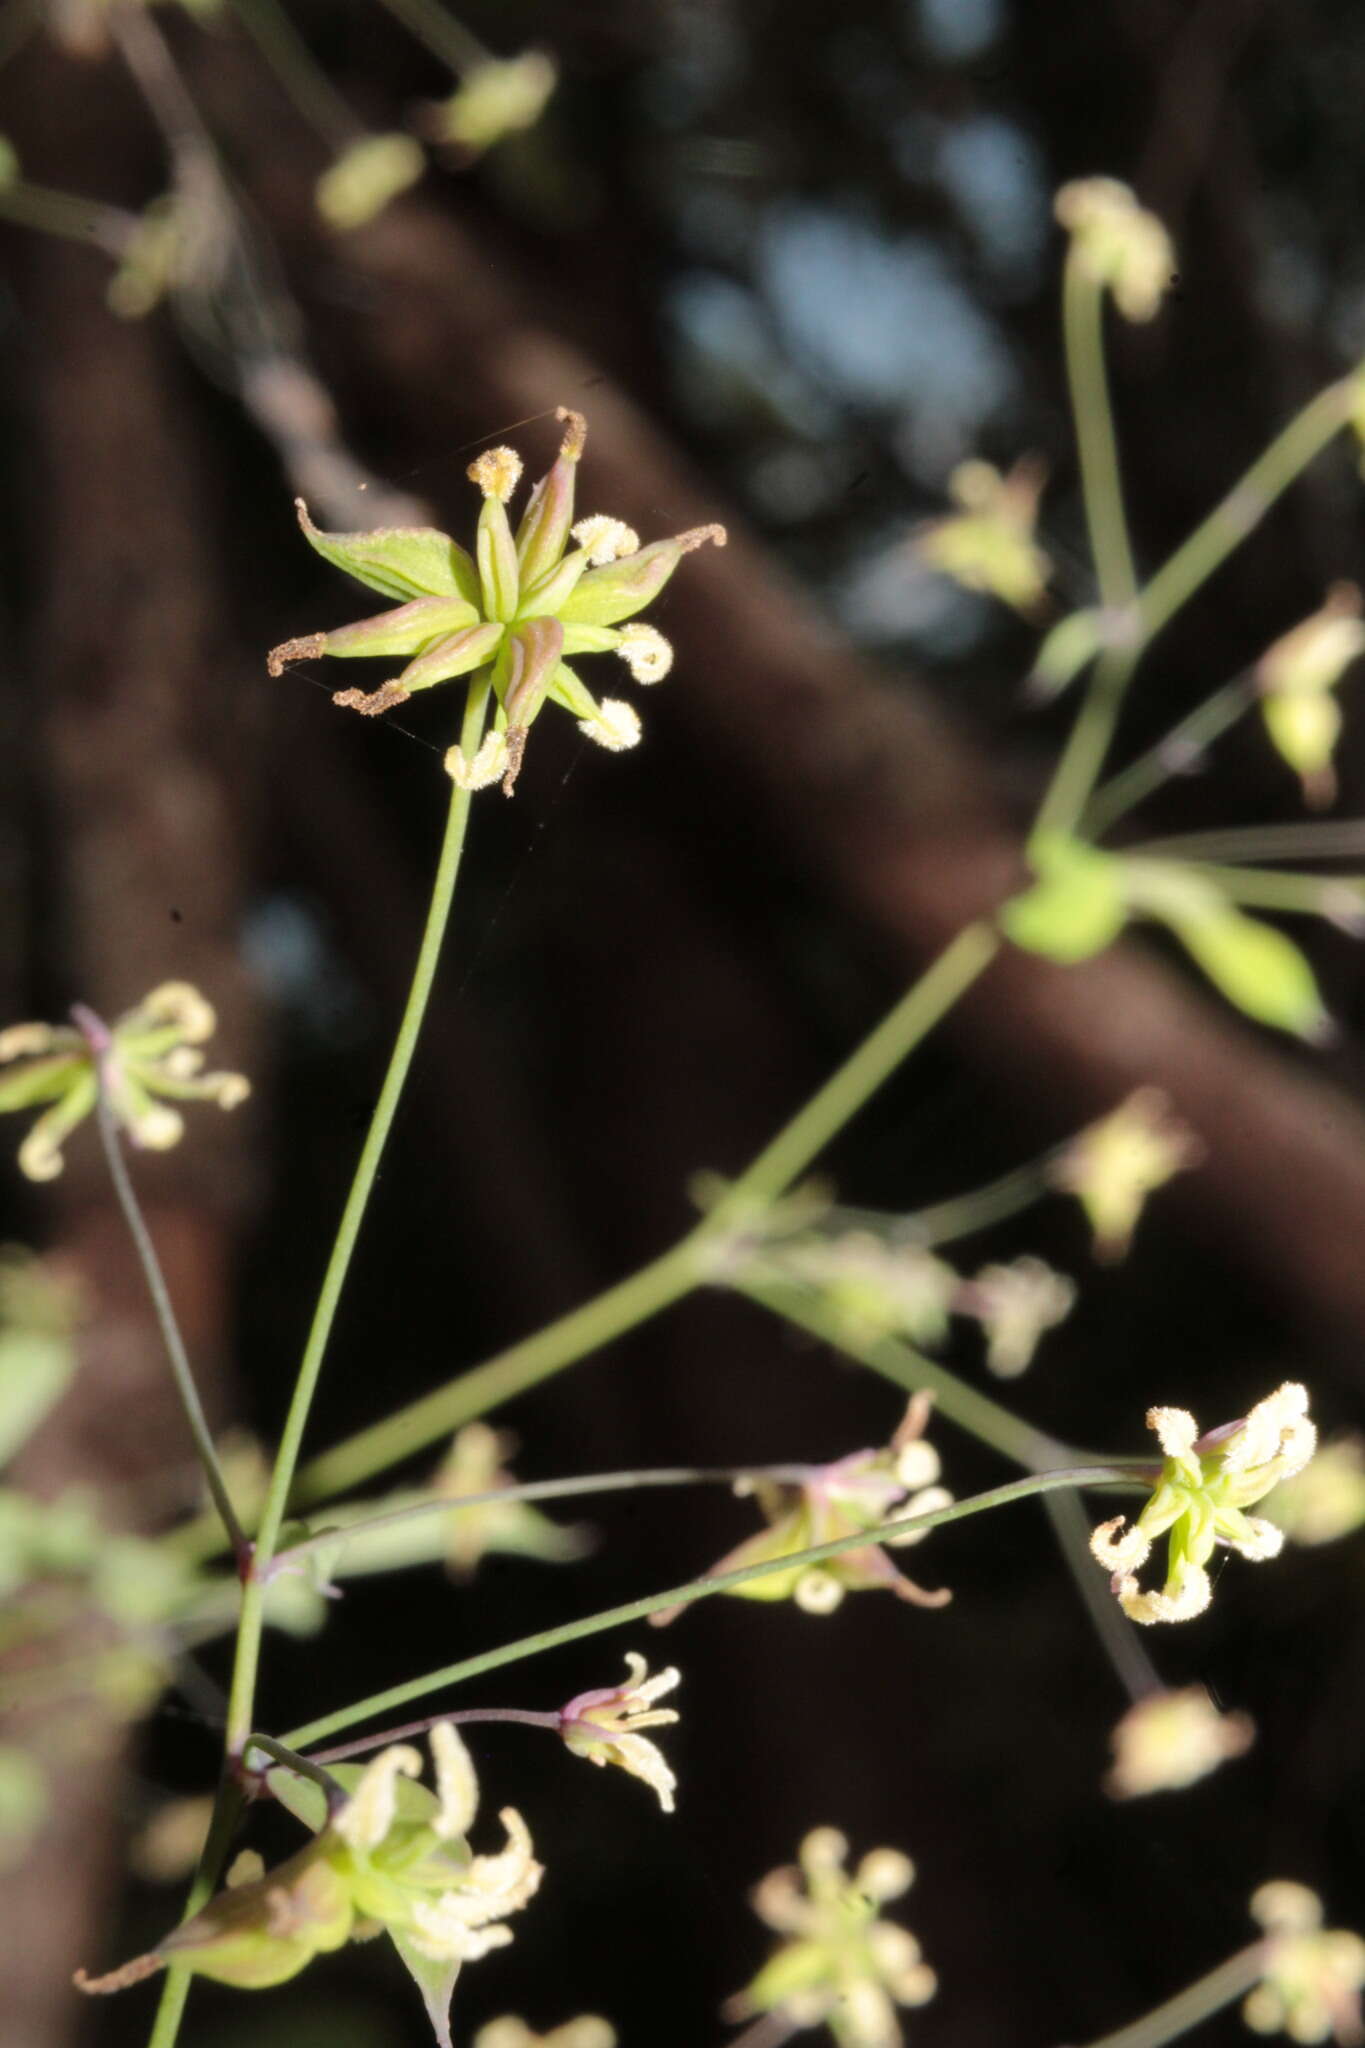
point(606, 596)
point(499, 575)
point(407, 630)
point(457, 655)
point(1073, 641)
point(41, 1077)
point(591, 639)
point(1259, 970)
point(573, 695)
point(552, 593)
point(436, 1982)
point(544, 530)
point(532, 656)
point(231, 1939)
point(1075, 908)
point(400, 561)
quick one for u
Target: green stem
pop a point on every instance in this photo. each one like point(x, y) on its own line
point(1343, 839)
point(64, 214)
point(445, 37)
point(694, 1589)
point(533, 1490)
point(227, 1811)
point(97, 1036)
point(1197, 2002)
point(243, 1694)
point(674, 1274)
point(310, 1767)
point(1181, 745)
point(964, 1215)
point(1270, 889)
point(909, 1369)
point(1093, 415)
point(293, 63)
point(464, 1718)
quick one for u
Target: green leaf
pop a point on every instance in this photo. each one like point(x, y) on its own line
point(1075, 908)
point(1258, 969)
point(400, 561)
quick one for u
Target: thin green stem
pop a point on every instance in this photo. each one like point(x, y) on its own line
point(1270, 889)
point(1088, 742)
point(533, 1490)
point(243, 1692)
point(97, 1035)
point(1133, 1668)
point(909, 1369)
point(64, 214)
point(964, 1215)
point(307, 84)
point(227, 1811)
point(1093, 416)
point(686, 1265)
point(310, 1767)
point(1170, 756)
point(1197, 2002)
point(695, 1589)
point(445, 37)
point(523, 1717)
point(1342, 839)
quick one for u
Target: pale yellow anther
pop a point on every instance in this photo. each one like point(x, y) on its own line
point(1119, 1553)
point(158, 1127)
point(457, 1788)
point(604, 539)
point(817, 1592)
point(39, 1157)
point(1176, 1430)
point(616, 726)
point(229, 1091)
point(19, 1041)
point(368, 1814)
point(885, 1874)
point(180, 1003)
point(487, 767)
point(1191, 1598)
point(497, 472)
point(646, 653)
point(575, 432)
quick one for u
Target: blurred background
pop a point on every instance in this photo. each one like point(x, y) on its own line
point(794, 262)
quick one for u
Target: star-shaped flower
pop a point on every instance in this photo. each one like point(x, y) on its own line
point(604, 1725)
point(857, 1492)
point(390, 1857)
point(516, 609)
point(842, 1964)
point(153, 1060)
point(1206, 1484)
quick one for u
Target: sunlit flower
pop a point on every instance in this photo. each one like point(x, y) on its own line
point(842, 1964)
point(1118, 243)
point(1171, 1739)
point(1313, 1975)
point(1113, 1165)
point(1206, 1484)
point(1327, 1499)
point(861, 1491)
point(153, 1059)
point(1297, 678)
point(988, 543)
point(604, 1725)
point(1016, 1305)
point(514, 611)
point(390, 1857)
point(477, 1463)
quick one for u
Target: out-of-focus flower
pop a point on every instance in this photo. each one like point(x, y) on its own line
point(1206, 1484)
point(366, 177)
point(391, 1857)
point(604, 1725)
point(476, 1463)
point(989, 543)
point(1297, 677)
point(1113, 1165)
point(1171, 1739)
point(589, 2030)
point(153, 1059)
point(876, 1288)
point(857, 1492)
point(494, 99)
point(1327, 1499)
point(168, 1844)
point(1118, 244)
point(25, 1797)
point(842, 1964)
point(516, 609)
point(79, 25)
point(1313, 1975)
point(1016, 1305)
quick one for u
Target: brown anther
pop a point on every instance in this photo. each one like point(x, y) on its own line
point(575, 432)
point(516, 752)
point(309, 648)
point(120, 1979)
point(697, 537)
point(369, 703)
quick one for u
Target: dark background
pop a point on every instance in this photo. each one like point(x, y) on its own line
point(794, 262)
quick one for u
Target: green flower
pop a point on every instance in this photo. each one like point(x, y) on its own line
point(841, 1964)
point(153, 1059)
point(857, 1492)
point(1118, 244)
point(989, 543)
point(1297, 678)
point(603, 1726)
point(1206, 1484)
point(516, 609)
point(1113, 1165)
point(392, 1858)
